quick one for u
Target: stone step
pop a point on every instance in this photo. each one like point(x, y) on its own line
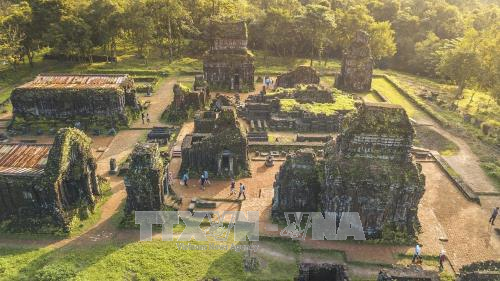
point(206, 204)
point(266, 193)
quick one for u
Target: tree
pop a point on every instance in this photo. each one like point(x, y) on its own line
point(46, 14)
point(382, 40)
point(72, 36)
point(461, 66)
point(428, 54)
point(105, 18)
point(140, 27)
point(317, 23)
point(171, 23)
point(13, 33)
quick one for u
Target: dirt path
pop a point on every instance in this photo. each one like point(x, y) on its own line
point(465, 223)
point(464, 162)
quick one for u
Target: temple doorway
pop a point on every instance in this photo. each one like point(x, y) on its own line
point(226, 162)
point(236, 82)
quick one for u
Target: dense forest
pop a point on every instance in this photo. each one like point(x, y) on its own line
point(455, 40)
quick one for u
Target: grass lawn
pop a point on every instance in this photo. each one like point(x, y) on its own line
point(156, 260)
point(430, 139)
point(394, 96)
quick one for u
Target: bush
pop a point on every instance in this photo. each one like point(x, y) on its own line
point(56, 272)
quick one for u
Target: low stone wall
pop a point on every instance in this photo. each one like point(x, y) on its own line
point(456, 179)
point(288, 147)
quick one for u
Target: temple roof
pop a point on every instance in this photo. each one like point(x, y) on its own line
point(228, 30)
point(381, 119)
point(23, 159)
point(77, 81)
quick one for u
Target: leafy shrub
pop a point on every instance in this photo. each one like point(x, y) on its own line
point(56, 272)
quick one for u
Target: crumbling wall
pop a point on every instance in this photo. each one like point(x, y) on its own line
point(144, 179)
point(70, 179)
point(480, 271)
point(357, 66)
point(378, 179)
point(225, 140)
point(297, 186)
point(229, 65)
point(186, 99)
point(322, 272)
point(70, 105)
point(300, 75)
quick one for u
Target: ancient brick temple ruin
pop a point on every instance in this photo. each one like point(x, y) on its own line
point(45, 186)
point(357, 66)
point(268, 109)
point(217, 145)
point(300, 75)
point(144, 179)
point(229, 64)
point(297, 184)
point(368, 169)
point(107, 100)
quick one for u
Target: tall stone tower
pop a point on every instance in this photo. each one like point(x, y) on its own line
point(144, 179)
point(357, 66)
point(229, 64)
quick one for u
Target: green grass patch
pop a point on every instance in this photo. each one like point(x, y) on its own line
point(156, 260)
point(430, 139)
point(394, 96)
point(342, 102)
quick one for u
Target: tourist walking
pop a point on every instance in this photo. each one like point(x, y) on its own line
point(147, 117)
point(416, 255)
point(494, 215)
point(205, 174)
point(202, 181)
point(233, 185)
point(242, 191)
point(185, 178)
point(442, 258)
point(142, 116)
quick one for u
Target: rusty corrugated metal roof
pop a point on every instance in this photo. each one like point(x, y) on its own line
point(23, 159)
point(58, 81)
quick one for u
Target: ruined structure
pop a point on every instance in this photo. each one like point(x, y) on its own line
point(369, 170)
point(297, 184)
point(144, 179)
point(301, 75)
point(46, 186)
point(218, 145)
point(357, 66)
point(186, 102)
point(107, 100)
point(229, 64)
point(294, 109)
point(323, 272)
point(185, 99)
point(480, 271)
point(409, 273)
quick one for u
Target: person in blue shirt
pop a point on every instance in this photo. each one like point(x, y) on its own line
point(205, 175)
point(185, 179)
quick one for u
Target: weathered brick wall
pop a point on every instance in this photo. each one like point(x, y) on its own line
point(144, 179)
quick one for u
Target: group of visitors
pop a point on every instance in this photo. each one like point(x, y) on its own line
point(417, 256)
point(204, 180)
point(232, 190)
